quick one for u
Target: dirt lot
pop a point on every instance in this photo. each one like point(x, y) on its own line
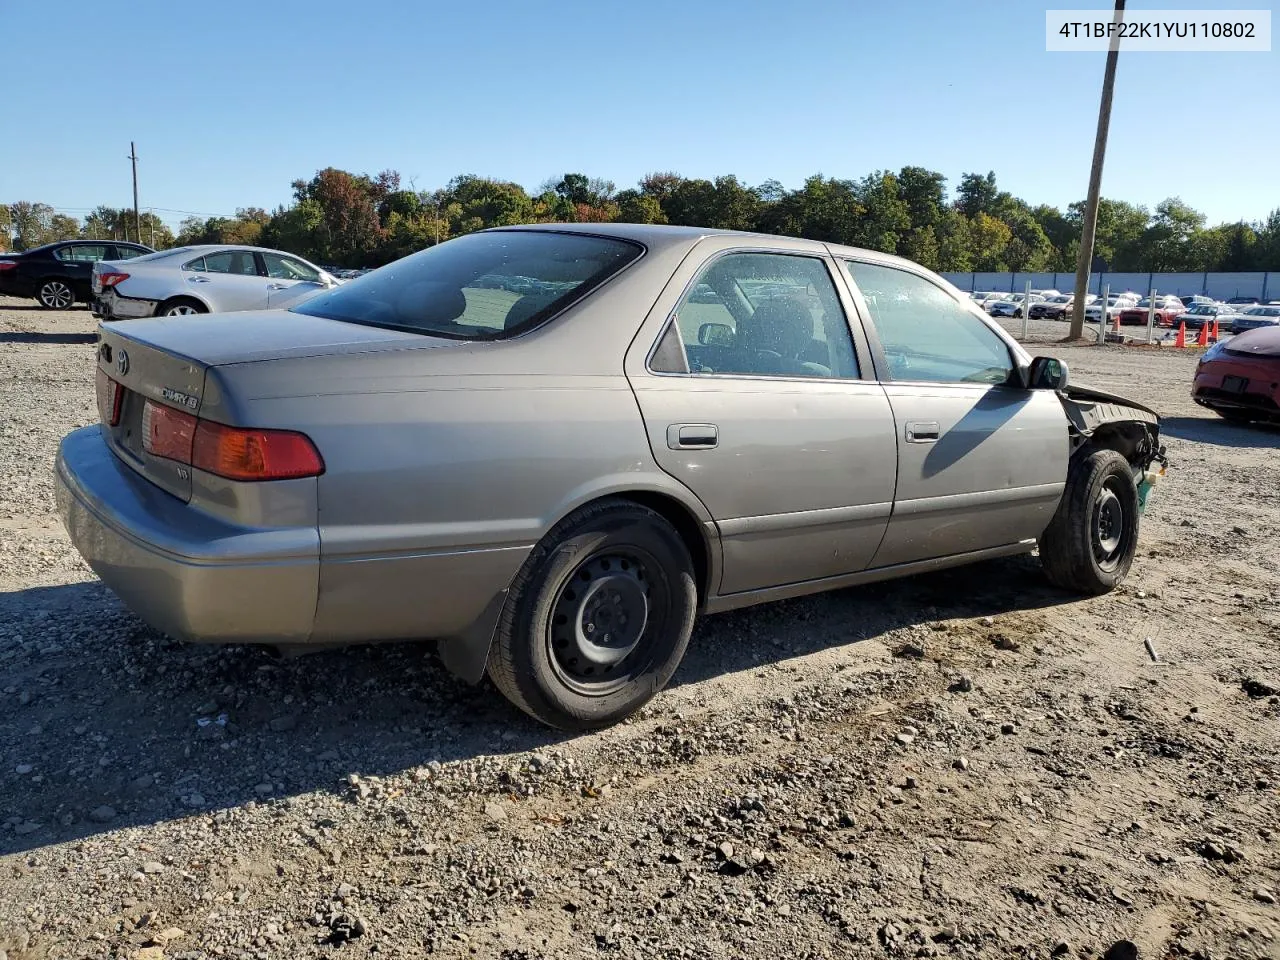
point(967, 763)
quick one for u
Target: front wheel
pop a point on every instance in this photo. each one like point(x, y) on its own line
point(1089, 544)
point(598, 618)
point(56, 295)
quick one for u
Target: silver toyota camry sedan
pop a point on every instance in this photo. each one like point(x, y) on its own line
point(551, 447)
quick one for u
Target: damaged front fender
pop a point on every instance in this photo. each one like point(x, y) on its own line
point(1101, 419)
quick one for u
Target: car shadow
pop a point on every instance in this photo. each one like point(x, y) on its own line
point(752, 637)
point(980, 422)
point(24, 336)
point(105, 724)
point(1221, 432)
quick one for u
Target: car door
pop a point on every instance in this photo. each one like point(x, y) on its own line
point(77, 260)
point(982, 461)
point(291, 280)
point(227, 280)
point(754, 397)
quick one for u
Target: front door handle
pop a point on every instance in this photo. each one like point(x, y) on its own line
point(922, 431)
point(692, 436)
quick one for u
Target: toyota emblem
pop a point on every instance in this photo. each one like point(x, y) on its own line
point(122, 362)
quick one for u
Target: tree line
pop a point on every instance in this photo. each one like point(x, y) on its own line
point(358, 220)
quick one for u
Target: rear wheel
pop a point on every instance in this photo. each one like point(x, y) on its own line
point(55, 294)
point(598, 618)
point(1090, 542)
point(179, 307)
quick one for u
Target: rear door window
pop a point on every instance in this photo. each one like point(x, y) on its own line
point(762, 314)
point(239, 262)
point(82, 253)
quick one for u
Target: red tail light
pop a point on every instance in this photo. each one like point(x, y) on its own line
point(247, 454)
point(110, 395)
point(236, 453)
point(167, 432)
point(109, 280)
point(8, 264)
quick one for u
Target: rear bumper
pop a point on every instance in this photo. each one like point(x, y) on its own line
point(188, 574)
point(1261, 394)
point(109, 305)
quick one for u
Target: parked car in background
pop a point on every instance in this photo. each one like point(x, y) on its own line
point(1051, 308)
point(1243, 301)
point(1259, 315)
point(554, 485)
point(1012, 306)
point(1115, 303)
point(59, 275)
point(1167, 307)
point(204, 279)
point(1188, 299)
point(1239, 379)
point(1206, 313)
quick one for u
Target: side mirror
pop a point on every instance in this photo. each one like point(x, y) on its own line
point(715, 334)
point(1047, 373)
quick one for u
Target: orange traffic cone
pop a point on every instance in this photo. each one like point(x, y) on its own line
point(1214, 336)
point(1182, 335)
point(1116, 326)
point(1203, 339)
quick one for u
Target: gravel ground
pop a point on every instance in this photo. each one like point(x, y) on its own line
point(968, 763)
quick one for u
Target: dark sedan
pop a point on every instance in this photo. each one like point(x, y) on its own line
point(1239, 379)
point(58, 274)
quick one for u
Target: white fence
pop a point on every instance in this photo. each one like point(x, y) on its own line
point(1220, 286)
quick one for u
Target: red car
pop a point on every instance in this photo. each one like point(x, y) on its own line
point(1166, 309)
point(1239, 379)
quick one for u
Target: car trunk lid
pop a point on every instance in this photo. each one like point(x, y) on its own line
point(164, 362)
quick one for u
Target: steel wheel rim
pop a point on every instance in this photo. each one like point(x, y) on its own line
point(56, 295)
point(1109, 527)
point(602, 622)
point(181, 310)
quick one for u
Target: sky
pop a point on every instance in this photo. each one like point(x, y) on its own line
point(229, 102)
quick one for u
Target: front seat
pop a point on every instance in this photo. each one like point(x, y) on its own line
point(778, 336)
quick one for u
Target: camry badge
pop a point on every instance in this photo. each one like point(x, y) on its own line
point(182, 399)
point(122, 362)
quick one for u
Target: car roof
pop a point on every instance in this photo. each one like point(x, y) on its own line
point(658, 235)
point(203, 247)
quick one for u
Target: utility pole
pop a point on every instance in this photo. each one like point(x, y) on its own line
point(1095, 182)
point(137, 217)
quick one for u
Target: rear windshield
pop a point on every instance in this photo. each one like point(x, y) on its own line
point(480, 286)
point(160, 254)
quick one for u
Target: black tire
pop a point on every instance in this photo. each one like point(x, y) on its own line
point(1089, 545)
point(56, 293)
point(1017, 314)
point(179, 306)
point(629, 566)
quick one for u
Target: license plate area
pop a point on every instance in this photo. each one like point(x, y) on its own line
point(1234, 384)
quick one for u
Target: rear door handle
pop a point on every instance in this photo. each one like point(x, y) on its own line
point(922, 431)
point(198, 279)
point(692, 436)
